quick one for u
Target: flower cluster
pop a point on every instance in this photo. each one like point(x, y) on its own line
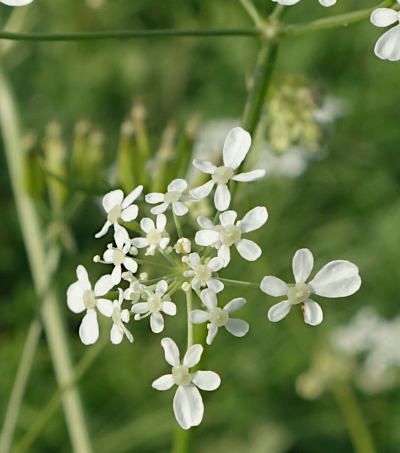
point(194, 266)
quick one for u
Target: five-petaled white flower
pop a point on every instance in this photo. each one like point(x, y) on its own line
point(173, 196)
point(119, 317)
point(388, 45)
point(16, 2)
point(188, 404)
point(117, 207)
point(119, 257)
point(156, 304)
point(229, 233)
point(201, 272)
point(219, 317)
point(236, 147)
point(326, 3)
point(338, 278)
point(156, 236)
point(80, 297)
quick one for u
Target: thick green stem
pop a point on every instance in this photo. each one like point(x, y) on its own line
point(33, 238)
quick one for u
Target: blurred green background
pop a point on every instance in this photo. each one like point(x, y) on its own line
point(345, 206)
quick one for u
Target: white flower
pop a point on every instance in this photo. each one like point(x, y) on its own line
point(156, 236)
point(117, 207)
point(229, 233)
point(388, 45)
point(336, 279)
point(188, 404)
point(183, 245)
point(118, 257)
point(157, 303)
point(16, 2)
point(173, 196)
point(293, 2)
point(119, 317)
point(202, 272)
point(236, 147)
point(219, 317)
point(80, 297)
point(135, 290)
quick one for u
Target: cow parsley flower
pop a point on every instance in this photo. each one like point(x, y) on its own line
point(188, 404)
point(173, 197)
point(236, 147)
point(219, 317)
point(119, 207)
point(119, 317)
point(388, 45)
point(157, 303)
point(156, 236)
point(135, 291)
point(81, 296)
point(201, 272)
point(230, 231)
point(16, 2)
point(326, 3)
point(338, 278)
point(118, 257)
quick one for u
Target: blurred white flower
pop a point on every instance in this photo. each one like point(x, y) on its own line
point(156, 304)
point(156, 236)
point(236, 147)
point(230, 231)
point(338, 278)
point(388, 45)
point(119, 317)
point(201, 272)
point(81, 297)
point(219, 317)
point(173, 197)
point(326, 3)
point(16, 2)
point(188, 404)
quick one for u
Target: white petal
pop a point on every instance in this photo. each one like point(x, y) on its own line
point(388, 45)
point(156, 322)
point(108, 255)
point(302, 264)
point(206, 380)
point(112, 199)
point(227, 218)
point(177, 185)
point(104, 230)
point(235, 304)
point(249, 250)
point(215, 264)
point(215, 285)
point(130, 213)
point(121, 236)
point(125, 316)
point(225, 254)
point(222, 197)
point(327, 3)
point(312, 313)
point(16, 2)
point(204, 166)
point(164, 382)
point(139, 242)
point(116, 275)
point(130, 198)
point(209, 298)
point(130, 264)
point(202, 191)
point(237, 327)
point(89, 328)
point(193, 355)
point(161, 288)
point(236, 147)
point(147, 225)
point(254, 219)
point(188, 406)
point(279, 311)
point(199, 316)
point(206, 237)
point(205, 223)
point(249, 176)
point(116, 334)
point(196, 284)
point(160, 209)
point(155, 197)
point(164, 242)
point(179, 208)
point(273, 286)
point(336, 279)
point(128, 335)
point(103, 285)
point(194, 259)
point(83, 277)
point(169, 308)
point(383, 17)
point(161, 222)
point(171, 351)
point(105, 307)
point(140, 308)
point(212, 332)
point(75, 297)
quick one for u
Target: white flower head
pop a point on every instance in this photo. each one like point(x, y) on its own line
point(219, 317)
point(135, 291)
point(156, 236)
point(120, 317)
point(229, 232)
point(157, 303)
point(326, 3)
point(201, 272)
point(119, 207)
point(16, 2)
point(188, 404)
point(119, 257)
point(174, 197)
point(236, 147)
point(338, 278)
point(81, 297)
point(183, 246)
point(388, 45)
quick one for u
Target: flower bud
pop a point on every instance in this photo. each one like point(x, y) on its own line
point(183, 245)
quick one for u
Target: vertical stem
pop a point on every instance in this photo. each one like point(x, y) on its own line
point(178, 226)
point(189, 322)
point(358, 430)
point(36, 251)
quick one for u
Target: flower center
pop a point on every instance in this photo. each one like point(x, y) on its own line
point(89, 299)
point(230, 235)
point(172, 197)
point(118, 257)
point(222, 175)
point(153, 237)
point(219, 317)
point(202, 272)
point(114, 214)
point(116, 316)
point(181, 375)
point(298, 293)
point(154, 303)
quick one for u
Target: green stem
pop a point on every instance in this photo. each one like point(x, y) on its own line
point(153, 263)
point(33, 239)
point(178, 226)
point(252, 12)
point(240, 283)
point(189, 301)
point(358, 430)
point(182, 440)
